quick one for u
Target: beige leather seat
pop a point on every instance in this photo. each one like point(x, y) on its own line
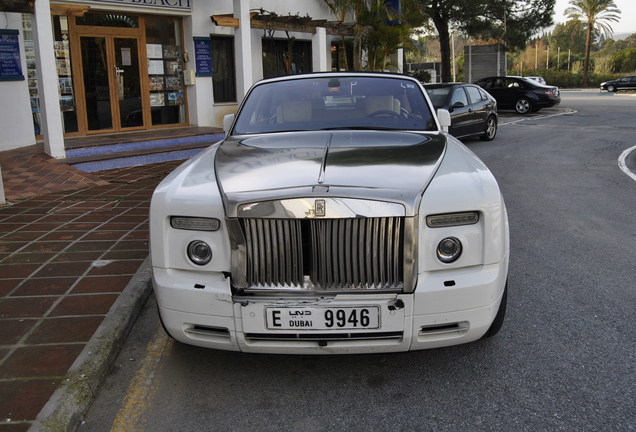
point(294, 111)
point(381, 103)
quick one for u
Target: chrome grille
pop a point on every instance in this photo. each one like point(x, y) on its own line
point(328, 254)
point(274, 252)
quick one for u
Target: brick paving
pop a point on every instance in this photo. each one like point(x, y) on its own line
point(30, 172)
point(69, 244)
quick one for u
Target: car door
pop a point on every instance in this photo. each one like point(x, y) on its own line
point(499, 90)
point(460, 111)
point(623, 83)
point(514, 90)
point(479, 109)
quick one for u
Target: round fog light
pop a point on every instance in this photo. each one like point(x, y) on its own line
point(199, 252)
point(449, 249)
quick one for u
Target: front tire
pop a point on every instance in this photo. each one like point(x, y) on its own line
point(523, 106)
point(611, 88)
point(491, 129)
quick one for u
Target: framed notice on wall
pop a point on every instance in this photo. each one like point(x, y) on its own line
point(203, 56)
point(10, 66)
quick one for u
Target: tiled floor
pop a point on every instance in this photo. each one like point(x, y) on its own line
point(30, 172)
point(69, 244)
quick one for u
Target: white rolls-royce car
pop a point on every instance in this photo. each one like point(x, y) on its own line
point(336, 217)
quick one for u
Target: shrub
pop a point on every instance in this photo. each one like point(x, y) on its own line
point(422, 75)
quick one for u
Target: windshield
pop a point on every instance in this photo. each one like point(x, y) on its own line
point(335, 103)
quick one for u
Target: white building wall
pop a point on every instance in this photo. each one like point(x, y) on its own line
point(16, 120)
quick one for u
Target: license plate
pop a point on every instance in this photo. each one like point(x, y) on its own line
point(322, 318)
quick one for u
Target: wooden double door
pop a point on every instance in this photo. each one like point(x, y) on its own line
point(111, 80)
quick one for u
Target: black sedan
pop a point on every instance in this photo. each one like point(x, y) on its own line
point(625, 83)
point(521, 94)
point(473, 111)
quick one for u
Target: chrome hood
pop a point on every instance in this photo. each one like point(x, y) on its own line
point(375, 165)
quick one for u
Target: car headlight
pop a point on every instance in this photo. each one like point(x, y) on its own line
point(199, 252)
point(452, 219)
point(449, 249)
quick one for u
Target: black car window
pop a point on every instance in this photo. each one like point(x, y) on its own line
point(499, 83)
point(626, 79)
point(459, 95)
point(484, 83)
point(474, 94)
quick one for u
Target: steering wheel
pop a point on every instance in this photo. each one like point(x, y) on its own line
point(384, 112)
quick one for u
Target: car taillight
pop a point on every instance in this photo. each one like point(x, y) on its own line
point(552, 92)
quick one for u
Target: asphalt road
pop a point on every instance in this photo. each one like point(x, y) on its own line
point(564, 360)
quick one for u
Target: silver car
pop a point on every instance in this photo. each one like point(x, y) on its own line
point(336, 217)
point(538, 79)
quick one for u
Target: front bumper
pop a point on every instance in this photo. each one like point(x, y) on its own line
point(447, 308)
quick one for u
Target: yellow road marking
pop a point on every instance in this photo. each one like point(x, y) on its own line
point(141, 391)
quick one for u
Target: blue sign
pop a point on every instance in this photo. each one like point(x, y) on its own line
point(203, 56)
point(10, 66)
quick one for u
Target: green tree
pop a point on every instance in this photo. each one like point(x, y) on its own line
point(339, 9)
point(388, 30)
point(592, 15)
point(625, 61)
point(378, 30)
point(611, 46)
point(511, 22)
point(568, 36)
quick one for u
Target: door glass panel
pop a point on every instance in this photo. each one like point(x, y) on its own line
point(165, 66)
point(128, 82)
point(96, 86)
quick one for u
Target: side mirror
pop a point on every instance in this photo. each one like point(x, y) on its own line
point(457, 105)
point(227, 123)
point(444, 118)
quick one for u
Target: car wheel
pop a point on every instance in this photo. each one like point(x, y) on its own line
point(499, 318)
point(611, 88)
point(523, 106)
point(491, 129)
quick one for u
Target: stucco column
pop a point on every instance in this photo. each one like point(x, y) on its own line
point(320, 50)
point(400, 60)
point(51, 116)
point(200, 110)
point(244, 74)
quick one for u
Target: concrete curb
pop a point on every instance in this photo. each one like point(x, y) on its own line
point(72, 399)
